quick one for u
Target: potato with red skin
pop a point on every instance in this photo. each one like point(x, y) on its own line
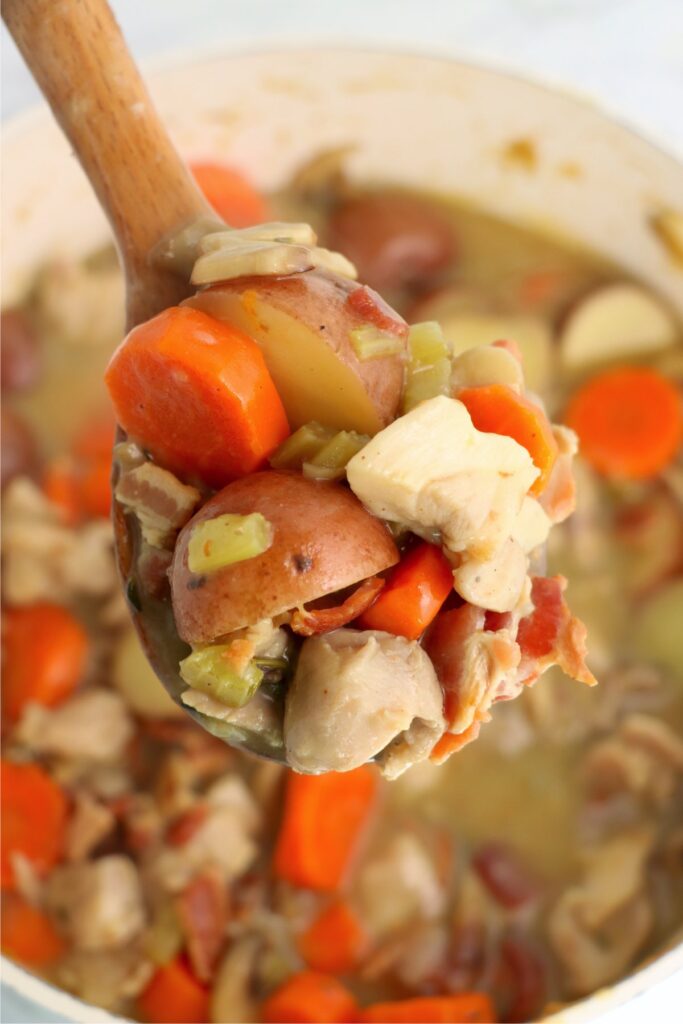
point(303, 325)
point(20, 363)
point(19, 457)
point(323, 541)
point(395, 241)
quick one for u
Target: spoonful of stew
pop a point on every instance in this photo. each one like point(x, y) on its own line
point(328, 528)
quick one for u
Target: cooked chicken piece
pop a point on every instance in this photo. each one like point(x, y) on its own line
point(44, 560)
point(644, 756)
point(160, 501)
point(431, 470)
point(358, 694)
point(399, 886)
point(223, 839)
point(90, 822)
point(258, 715)
point(99, 904)
point(232, 999)
point(614, 873)
point(559, 495)
point(532, 525)
point(107, 978)
point(91, 726)
point(496, 583)
point(598, 926)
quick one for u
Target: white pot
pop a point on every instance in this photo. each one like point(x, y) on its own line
point(432, 123)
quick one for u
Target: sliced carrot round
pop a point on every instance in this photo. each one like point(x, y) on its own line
point(232, 196)
point(472, 1007)
point(28, 935)
point(415, 591)
point(629, 422)
point(34, 814)
point(497, 409)
point(44, 655)
point(197, 394)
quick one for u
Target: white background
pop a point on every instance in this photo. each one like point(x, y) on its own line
point(626, 54)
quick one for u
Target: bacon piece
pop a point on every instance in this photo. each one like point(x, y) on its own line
point(451, 742)
point(504, 875)
point(522, 973)
point(551, 635)
point(510, 346)
point(202, 909)
point(470, 664)
point(368, 305)
point(322, 620)
point(183, 828)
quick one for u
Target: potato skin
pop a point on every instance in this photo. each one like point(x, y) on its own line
point(317, 302)
point(324, 540)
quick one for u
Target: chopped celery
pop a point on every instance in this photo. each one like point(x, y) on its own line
point(211, 671)
point(164, 937)
point(370, 343)
point(429, 370)
point(329, 463)
point(427, 382)
point(226, 539)
point(303, 444)
point(426, 343)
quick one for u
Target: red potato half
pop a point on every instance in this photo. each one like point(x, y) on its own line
point(303, 325)
point(323, 541)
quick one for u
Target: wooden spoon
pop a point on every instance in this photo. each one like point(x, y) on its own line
point(78, 57)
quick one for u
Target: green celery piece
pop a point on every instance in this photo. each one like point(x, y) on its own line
point(210, 670)
point(370, 343)
point(301, 446)
point(226, 539)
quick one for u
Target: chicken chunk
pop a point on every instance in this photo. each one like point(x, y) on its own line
point(224, 841)
point(359, 694)
point(643, 757)
point(100, 904)
point(399, 886)
point(598, 925)
point(431, 470)
point(91, 726)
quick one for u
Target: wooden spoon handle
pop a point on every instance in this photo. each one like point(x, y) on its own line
point(76, 52)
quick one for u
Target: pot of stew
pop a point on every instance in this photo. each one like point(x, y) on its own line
point(150, 872)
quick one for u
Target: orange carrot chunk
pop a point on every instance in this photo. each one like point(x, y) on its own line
point(174, 996)
point(233, 197)
point(34, 813)
point(629, 422)
point(335, 940)
point(95, 488)
point(414, 593)
point(465, 1008)
point(310, 998)
point(44, 654)
point(28, 934)
point(497, 409)
point(323, 820)
point(61, 486)
point(196, 393)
